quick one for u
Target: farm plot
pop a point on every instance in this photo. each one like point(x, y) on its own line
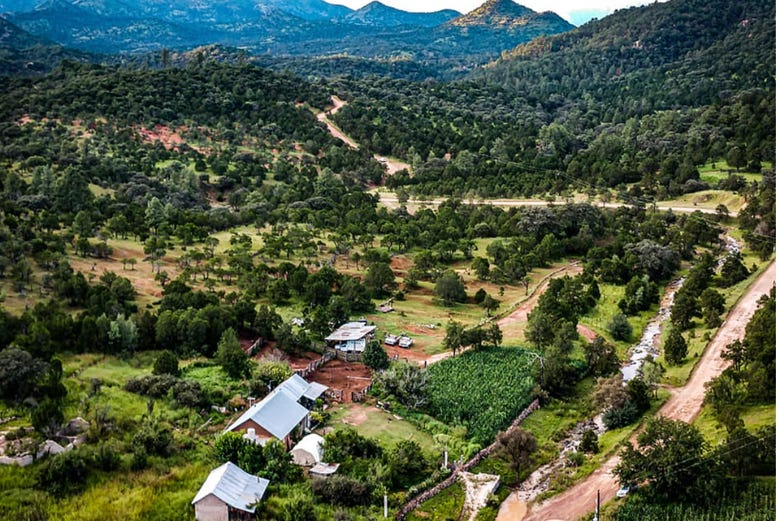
point(481, 390)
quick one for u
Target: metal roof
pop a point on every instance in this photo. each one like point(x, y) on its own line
point(234, 487)
point(296, 387)
point(351, 331)
point(315, 390)
point(313, 444)
point(278, 413)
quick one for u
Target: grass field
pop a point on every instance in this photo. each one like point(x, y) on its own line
point(376, 423)
point(715, 171)
point(445, 506)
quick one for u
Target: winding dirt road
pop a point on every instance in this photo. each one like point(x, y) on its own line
point(392, 165)
point(684, 405)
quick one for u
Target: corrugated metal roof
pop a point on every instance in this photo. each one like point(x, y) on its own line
point(323, 469)
point(278, 413)
point(234, 487)
point(351, 331)
point(313, 444)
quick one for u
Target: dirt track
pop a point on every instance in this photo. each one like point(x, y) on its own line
point(684, 405)
point(391, 200)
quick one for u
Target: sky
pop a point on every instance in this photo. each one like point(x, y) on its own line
point(575, 11)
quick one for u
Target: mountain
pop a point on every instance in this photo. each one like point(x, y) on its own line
point(495, 13)
point(309, 9)
point(24, 54)
point(381, 15)
point(293, 28)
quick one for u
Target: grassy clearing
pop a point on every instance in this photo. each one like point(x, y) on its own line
point(717, 170)
point(599, 317)
point(754, 417)
point(708, 199)
point(442, 507)
point(381, 425)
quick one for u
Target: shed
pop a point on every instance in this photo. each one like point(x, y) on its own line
point(308, 451)
point(228, 494)
point(299, 388)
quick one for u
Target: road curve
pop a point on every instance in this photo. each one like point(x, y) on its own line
point(685, 404)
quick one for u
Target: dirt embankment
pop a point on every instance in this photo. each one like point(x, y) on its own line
point(684, 405)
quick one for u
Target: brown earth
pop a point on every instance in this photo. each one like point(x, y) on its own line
point(684, 405)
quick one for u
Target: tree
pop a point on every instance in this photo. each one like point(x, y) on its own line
point(651, 373)
point(619, 327)
point(675, 347)
point(375, 356)
point(481, 267)
point(449, 289)
point(490, 304)
point(684, 309)
point(601, 358)
point(453, 337)
point(19, 372)
point(230, 355)
point(166, 363)
point(712, 305)
point(518, 445)
point(732, 270)
point(380, 279)
point(406, 462)
point(610, 393)
point(668, 458)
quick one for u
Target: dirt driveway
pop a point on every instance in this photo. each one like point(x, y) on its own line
point(684, 405)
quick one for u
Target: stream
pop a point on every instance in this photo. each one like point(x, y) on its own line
point(539, 480)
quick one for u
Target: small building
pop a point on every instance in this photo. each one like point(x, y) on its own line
point(308, 451)
point(229, 494)
point(352, 336)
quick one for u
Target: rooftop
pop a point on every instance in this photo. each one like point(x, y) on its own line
point(234, 487)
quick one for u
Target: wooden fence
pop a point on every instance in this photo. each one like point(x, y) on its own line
point(345, 356)
point(473, 462)
point(359, 396)
point(315, 364)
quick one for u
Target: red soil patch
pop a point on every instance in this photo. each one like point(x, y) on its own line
point(170, 139)
point(336, 374)
point(587, 332)
point(400, 263)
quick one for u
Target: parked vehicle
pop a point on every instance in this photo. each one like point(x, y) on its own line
point(405, 341)
point(391, 340)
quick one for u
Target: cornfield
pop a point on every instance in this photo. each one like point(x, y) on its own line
point(756, 503)
point(483, 390)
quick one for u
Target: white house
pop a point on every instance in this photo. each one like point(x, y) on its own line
point(229, 494)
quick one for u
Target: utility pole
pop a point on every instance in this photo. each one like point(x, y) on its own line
point(598, 505)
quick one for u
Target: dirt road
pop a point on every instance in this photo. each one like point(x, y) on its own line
point(391, 200)
point(684, 405)
point(392, 165)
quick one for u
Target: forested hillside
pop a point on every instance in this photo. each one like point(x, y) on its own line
point(618, 100)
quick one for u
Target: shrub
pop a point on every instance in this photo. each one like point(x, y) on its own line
point(341, 490)
point(166, 363)
point(620, 328)
point(621, 416)
point(65, 473)
point(188, 393)
point(589, 442)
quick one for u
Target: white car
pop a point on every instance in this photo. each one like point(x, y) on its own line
point(405, 341)
point(624, 491)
